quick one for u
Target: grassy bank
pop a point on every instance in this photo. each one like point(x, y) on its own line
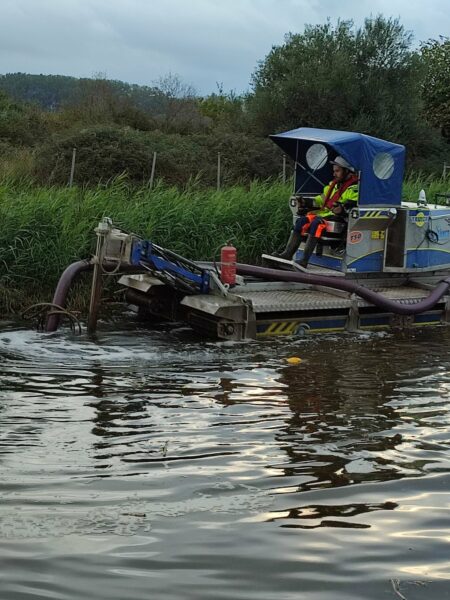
point(45, 229)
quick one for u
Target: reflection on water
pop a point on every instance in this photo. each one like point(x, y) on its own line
point(157, 461)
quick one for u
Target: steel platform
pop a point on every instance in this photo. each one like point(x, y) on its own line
point(256, 308)
point(283, 301)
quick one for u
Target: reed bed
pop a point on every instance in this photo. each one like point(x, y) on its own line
point(43, 229)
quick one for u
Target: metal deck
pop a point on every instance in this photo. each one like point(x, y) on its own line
point(312, 299)
point(255, 308)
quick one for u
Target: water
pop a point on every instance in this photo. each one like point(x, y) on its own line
point(152, 464)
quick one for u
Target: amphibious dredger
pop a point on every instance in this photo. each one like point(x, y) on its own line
point(388, 266)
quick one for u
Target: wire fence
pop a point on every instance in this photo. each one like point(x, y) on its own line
point(284, 176)
point(153, 173)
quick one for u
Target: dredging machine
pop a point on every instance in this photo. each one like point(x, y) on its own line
point(387, 266)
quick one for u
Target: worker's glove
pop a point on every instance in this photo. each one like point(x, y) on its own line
point(338, 209)
point(300, 202)
point(305, 204)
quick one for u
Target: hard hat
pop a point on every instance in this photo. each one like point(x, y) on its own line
point(341, 162)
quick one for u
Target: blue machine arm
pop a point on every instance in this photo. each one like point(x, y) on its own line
point(179, 271)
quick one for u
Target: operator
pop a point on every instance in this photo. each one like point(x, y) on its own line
point(337, 199)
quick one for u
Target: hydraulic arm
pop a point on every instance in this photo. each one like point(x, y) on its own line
point(173, 269)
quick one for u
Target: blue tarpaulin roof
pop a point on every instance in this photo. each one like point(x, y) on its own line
point(380, 163)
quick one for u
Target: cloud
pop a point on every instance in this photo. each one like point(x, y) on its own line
point(205, 41)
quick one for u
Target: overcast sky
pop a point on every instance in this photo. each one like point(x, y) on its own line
point(204, 41)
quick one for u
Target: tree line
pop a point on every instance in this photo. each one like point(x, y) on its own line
point(369, 79)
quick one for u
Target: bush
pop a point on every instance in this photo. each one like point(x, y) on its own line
point(105, 152)
point(102, 153)
point(16, 164)
point(20, 124)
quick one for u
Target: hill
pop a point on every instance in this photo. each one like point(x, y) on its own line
point(52, 92)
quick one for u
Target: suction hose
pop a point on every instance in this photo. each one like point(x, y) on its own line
point(62, 289)
point(66, 280)
point(339, 283)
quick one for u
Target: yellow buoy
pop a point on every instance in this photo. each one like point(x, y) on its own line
point(294, 360)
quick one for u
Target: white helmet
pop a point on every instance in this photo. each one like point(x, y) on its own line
point(341, 162)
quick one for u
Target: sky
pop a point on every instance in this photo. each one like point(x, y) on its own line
point(205, 42)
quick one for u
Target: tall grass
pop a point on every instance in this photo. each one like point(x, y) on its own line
point(45, 229)
point(417, 181)
point(42, 230)
point(16, 164)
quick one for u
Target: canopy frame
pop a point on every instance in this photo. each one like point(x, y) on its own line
point(379, 163)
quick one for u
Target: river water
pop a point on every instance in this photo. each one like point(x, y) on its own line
point(153, 464)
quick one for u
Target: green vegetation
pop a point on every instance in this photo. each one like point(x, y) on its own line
point(45, 229)
point(436, 83)
point(337, 76)
point(103, 151)
point(368, 79)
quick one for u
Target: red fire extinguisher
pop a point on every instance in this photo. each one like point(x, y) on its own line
point(228, 256)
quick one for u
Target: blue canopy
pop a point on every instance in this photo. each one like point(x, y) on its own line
point(380, 164)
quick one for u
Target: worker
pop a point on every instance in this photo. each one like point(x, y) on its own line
point(338, 197)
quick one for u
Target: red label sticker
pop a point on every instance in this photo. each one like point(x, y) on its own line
point(355, 237)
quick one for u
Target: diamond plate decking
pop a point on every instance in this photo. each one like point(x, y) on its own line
point(287, 301)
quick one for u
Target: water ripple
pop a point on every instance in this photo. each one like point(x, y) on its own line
point(153, 460)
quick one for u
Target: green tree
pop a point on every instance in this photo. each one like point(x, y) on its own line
point(99, 101)
point(47, 91)
point(178, 110)
point(341, 77)
point(20, 124)
point(226, 111)
point(436, 84)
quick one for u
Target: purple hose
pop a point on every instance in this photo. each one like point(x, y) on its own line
point(371, 296)
point(62, 289)
point(66, 279)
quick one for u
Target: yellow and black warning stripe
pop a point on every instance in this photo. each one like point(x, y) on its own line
point(374, 214)
point(281, 328)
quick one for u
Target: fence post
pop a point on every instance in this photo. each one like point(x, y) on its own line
point(284, 168)
point(218, 171)
point(152, 174)
point(72, 168)
point(444, 170)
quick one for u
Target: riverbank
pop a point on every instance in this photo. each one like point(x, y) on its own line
point(44, 229)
